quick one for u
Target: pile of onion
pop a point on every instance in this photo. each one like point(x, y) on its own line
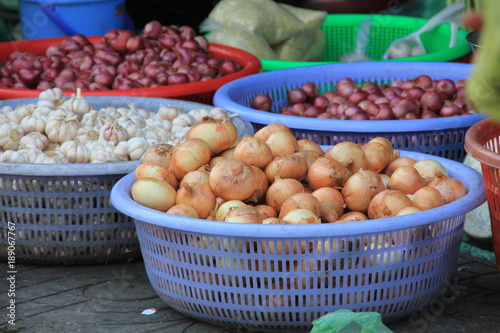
point(273, 178)
point(158, 56)
point(421, 97)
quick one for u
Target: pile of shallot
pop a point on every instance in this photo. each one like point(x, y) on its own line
point(159, 56)
point(58, 129)
point(419, 98)
point(273, 178)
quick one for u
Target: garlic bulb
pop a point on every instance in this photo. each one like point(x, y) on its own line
point(31, 152)
point(218, 113)
point(94, 118)
point(62, 129)
point(132, 128)
point(25, 110)
point(102, 147)
point(110, 113)
point(137, 147)
point(77, 104)
point(54, 95)
point(35, 139)
point(90, 137)
point(44, 110)
point(121, 149)
point(51, 157)
point(169, 112)
point(14, 117)
point(34, 123)
point(185, 120)
point(114, 132)
point(106, 157)
point(53, 146)
point(6, 109)
point(10, 135)
point(199, 114)
point(156, 133)
point(155, 121)
point(75, 151)
point(143, 113)
point(179, 133)
point(14, 156)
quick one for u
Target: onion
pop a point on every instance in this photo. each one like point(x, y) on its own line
point(199, 196)
point(244, 214)
point(280, 190)
point(213, 162)
point(332, 203)
point(266, 212)
point(158, 154)
point(225, 207)
point(388, 203)
point(326, 171)
point(233, 180)
point(157, 172)
point(219, 134)
point(378, 156)
point(262, 102)
point(297, 95)
point(427, 197)
point(408, 210)
point(183, 210)
point(406, 179)
point(188, 156)
point(301, 216)
point(450, 188)
point(430, 168)
point(300, 201)
point(264, 133)
point(360, 188)
point(311, 90)
point(352, 216)
point(196, 176)
point(305, 144)
point(396, 163)
point(282, 142)
point(262, 186)
point(287, 166)
point(349, 154)
point(253, 151)
point(153, 193)
point(423, 81)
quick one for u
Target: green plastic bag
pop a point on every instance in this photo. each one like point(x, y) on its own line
point(346, 321)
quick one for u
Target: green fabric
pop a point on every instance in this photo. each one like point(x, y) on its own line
point(347, 321)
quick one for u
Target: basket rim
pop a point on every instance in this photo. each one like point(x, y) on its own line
point(223, 96)
point(92, 169)
point(475, 138)
point(121, 199)
point(461, 49)
point(251, 65)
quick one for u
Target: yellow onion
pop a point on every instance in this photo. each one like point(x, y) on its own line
point(327, 172)
point(214, 160)
point(450, 188)
point(282, 189)
point(427, 197)
point(244, 214)
point(262, 186)
point(264, 133)
point(282, 143)
point(383, 141)
point(408, 210)
point(196, 176)
point(155, 171)
point(305, 144)
point(153, 193)
point(188, 156)
point(406, 179)
point(233, 179)
point(385, 179)
point(360, 188)
point(158, 154)
point(300, 201)
point(224, 208)
point(183, 210)
point(378, 156)
point(197, 195)
point(220, 134)
point(349, 154)
point(253, 151)
point(287, 166)
point(266, 212)
point(332, 203)
point(228, 153)
point(429, 169)
point(273, 220)
point(388, 203)
point(301, 216)
point(397, 163)
point(352, 217)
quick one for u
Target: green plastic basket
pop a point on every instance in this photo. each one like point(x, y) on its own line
point(341, 32)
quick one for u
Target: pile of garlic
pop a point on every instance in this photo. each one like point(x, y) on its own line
point(59, 129)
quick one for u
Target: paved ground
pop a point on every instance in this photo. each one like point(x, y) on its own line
point(110, 298)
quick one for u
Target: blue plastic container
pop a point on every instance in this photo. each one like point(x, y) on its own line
point(439, 136)
point(63, 18)
point(279, 278)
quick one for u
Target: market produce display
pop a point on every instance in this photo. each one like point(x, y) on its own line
point(273, 178)
point(60, 129)
point(158, 56)
point(418, 98)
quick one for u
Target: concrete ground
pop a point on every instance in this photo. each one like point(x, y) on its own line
point(109, 298)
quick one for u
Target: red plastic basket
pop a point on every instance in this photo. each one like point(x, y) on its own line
point(201, 92)
point(482, 141)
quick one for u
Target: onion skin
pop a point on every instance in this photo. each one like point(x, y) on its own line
point(280, 190)
point(352, 217)
point(427, 198)
point(397, 163)
point(189, 156)
point(300, 200)
point(332, 203)
point(406, 179)
point(219, 134)
point(325, 171)
point(349, 154)
point(388, 203)
point(157, 172)
point(360, 189)
point(158, 154)
point(233, 180)
point(253, 151)
point(450, 188)
point(153, 193)
point(199, 196)
point(264, 133)
point(183, 210)
point(287, 166)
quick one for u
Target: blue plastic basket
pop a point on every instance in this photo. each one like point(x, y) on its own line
point(226, 274)
point(440, 136)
